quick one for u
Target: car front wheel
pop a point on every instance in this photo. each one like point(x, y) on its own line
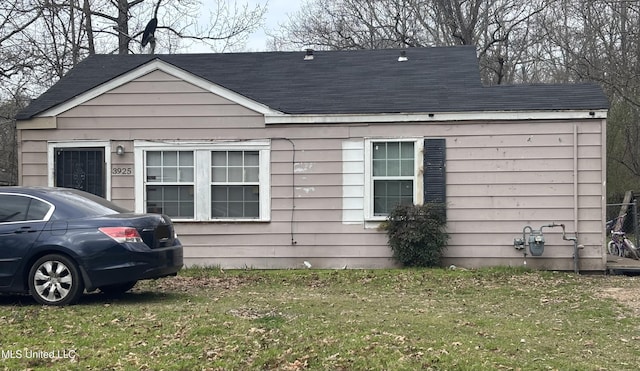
point(55, 280)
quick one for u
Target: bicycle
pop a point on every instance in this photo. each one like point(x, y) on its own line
point(620, 245)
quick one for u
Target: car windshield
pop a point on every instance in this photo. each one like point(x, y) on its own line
point(86, 204)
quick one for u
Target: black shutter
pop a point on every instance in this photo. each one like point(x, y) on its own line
point(435, 171)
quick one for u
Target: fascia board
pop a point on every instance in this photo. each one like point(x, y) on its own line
point(435, 117)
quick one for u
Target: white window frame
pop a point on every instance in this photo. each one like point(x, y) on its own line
point(202, 175)
point(418, 149)
point(235, 183)
point(51, 168)
point(175, 183)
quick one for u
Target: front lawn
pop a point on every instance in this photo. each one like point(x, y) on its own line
point(336, 320)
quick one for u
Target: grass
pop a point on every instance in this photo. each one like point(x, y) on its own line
point(432, 319)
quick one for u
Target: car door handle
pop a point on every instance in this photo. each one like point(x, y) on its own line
point(23, 230)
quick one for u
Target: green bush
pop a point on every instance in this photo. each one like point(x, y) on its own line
point(417, 234)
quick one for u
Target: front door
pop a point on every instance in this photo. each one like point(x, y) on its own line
point(81, 168)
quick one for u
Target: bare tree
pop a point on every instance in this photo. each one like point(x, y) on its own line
point(40, 40)
point(228, 24)
point(8, 153)
point(8, 160)
point(605, 48)
point(16, 18)
point(352, 24)
point(594, 40)
point(499, 28)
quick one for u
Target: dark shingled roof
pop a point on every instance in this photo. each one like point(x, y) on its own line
point(439, 79)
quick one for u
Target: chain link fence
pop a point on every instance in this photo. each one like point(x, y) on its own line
point(624, 217)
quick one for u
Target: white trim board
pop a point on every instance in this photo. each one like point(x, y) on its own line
point(280, 118)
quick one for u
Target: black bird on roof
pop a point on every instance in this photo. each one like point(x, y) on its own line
point(149, 30)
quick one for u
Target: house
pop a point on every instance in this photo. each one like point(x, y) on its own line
point(267, 160)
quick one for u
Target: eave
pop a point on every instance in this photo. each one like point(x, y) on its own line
point(281, 118)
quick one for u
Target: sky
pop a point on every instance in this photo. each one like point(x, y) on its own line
point(277, 12)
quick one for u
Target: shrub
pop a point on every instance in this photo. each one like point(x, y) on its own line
point(417, 234)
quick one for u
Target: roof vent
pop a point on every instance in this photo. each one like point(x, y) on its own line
point(403, 56)
point(309, 55)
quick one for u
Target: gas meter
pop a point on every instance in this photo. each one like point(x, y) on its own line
point(536, 242)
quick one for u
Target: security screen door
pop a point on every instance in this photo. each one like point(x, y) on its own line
point(81, 168)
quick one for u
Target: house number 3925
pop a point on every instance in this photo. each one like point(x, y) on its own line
point(122, 170)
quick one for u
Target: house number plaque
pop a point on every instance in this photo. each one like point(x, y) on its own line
point(121, 170)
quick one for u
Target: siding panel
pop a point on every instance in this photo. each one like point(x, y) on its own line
point(145, 99)
point(142, 86)
point(165, 110)
point(144, 124)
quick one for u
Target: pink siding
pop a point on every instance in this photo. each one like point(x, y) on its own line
point(32, 169)
point(501, 176)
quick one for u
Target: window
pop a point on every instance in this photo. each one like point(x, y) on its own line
point(235, 185)
point(403, 171)
point(16, 208)
point(170, 183)
point(393, 175)
point(38, 210)
point(204, 181)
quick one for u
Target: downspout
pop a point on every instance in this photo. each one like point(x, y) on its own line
point(576, 258)
point(575, 178)
point(19, 170)
point(603, 190)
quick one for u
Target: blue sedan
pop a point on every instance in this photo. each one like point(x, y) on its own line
point(55, 243)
